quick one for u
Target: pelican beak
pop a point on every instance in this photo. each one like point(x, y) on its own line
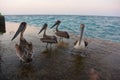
point(44, 26)
point(53, 26)
point(21, 28)
point(56, 23)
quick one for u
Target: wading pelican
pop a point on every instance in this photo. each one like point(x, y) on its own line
point(46, 38)
point(24, 50)
point(81, 43)
point(61, 34)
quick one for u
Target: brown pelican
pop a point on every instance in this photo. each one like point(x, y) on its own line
point(81, 43)
point(24, 50)
point(46, 38)
point(61, 34)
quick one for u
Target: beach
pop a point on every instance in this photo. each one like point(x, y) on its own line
point(99, 61)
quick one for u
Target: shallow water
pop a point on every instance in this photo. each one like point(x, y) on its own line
point(100, 60)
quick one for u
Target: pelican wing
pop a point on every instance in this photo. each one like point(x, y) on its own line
point(63, 34)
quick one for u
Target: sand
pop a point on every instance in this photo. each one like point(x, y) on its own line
point(99, 61)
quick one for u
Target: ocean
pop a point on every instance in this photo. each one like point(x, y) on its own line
point(100, 27)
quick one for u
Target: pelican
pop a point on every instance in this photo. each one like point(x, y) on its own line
point(81, 43)
point(61, 34)
point(46, 38)
point(24, 50)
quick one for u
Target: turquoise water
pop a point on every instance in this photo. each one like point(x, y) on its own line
point(101, 27)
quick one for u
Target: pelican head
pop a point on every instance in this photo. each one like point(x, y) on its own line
point(21, 29)
point(56, 23)
point(44, 27)
point(82, 26)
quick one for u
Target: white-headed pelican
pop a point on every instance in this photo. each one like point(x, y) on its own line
point(81, 43)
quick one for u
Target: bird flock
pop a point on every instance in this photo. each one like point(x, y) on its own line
point(24, 50)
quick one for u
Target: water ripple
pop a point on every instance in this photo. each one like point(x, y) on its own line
point(96, 26)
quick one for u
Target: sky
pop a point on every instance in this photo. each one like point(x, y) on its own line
point(61, 7)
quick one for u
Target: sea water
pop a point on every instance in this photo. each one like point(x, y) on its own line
point(101, 27)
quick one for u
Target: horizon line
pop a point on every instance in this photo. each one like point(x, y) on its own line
point(63, 15)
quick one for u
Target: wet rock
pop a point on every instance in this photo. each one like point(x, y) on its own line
point(93, 74)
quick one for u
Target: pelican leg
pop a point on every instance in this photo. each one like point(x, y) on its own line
point(47, 45)
point(62, 39)
point(59, 39)
point(51, 45)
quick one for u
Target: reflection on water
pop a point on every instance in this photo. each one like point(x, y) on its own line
point(0, 64)
point(25, 71)
point(2, 77)
point(57, 63)
point(63, 44)
point(93, 74)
